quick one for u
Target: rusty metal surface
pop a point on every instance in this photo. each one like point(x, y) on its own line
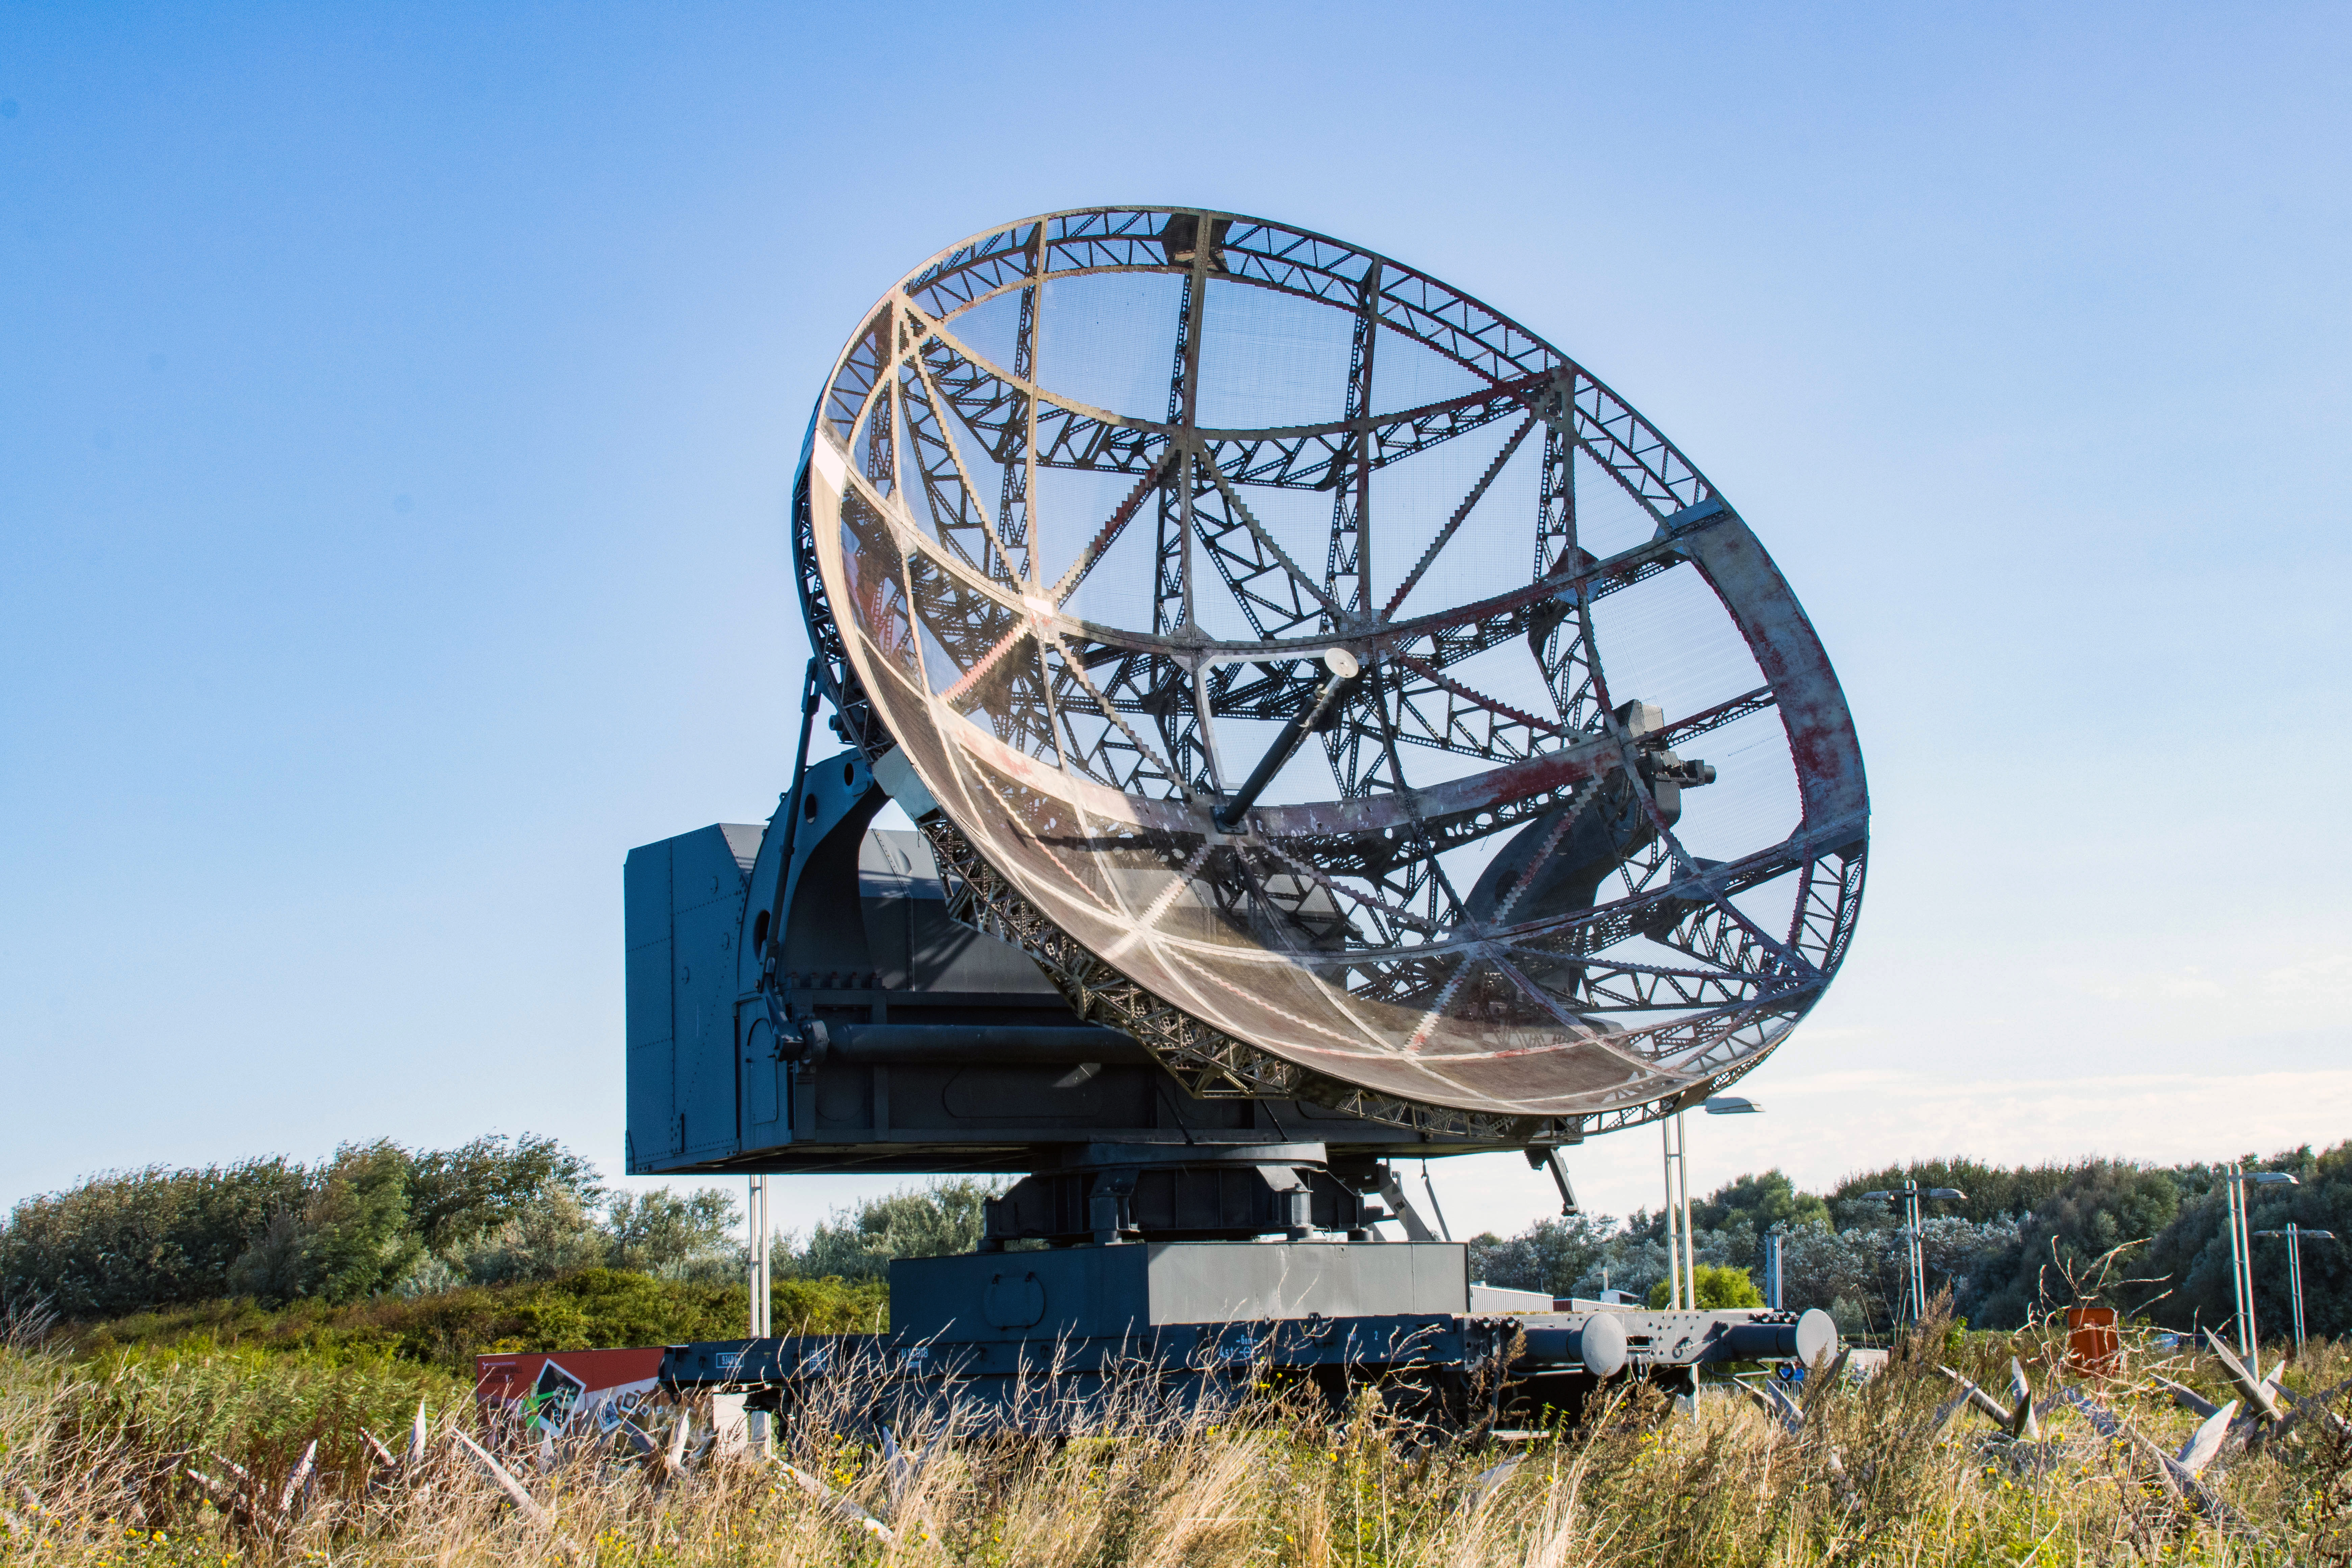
point(1086, 624)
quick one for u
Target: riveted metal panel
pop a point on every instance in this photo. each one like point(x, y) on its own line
point(706, 885)
point(652, 1112)
point(684, 922)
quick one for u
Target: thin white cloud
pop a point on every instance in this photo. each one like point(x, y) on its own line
point(2324, 980)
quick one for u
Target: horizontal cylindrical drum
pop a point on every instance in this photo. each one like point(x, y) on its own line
point(962, 1044)
point(1812, 1336)
point(1599, 1341)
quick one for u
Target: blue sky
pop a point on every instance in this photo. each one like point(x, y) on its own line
point(397, 407)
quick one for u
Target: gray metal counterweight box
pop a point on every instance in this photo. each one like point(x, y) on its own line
point(1086, 1292)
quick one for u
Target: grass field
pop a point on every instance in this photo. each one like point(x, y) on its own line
point(191, 1452)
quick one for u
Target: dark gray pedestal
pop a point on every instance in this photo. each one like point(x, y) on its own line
point(1089, 1292)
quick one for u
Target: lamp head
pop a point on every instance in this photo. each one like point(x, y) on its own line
point(1953, 1192)
point(1731, 1105)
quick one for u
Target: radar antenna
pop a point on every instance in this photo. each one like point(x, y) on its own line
point(1103, 514)
point(1335, 729)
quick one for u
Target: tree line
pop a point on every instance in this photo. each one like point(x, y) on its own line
point(373, 1219)
point(378, 1219)
point(2147, 1240)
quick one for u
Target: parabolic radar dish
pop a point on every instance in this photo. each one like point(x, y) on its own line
point(1307, 664)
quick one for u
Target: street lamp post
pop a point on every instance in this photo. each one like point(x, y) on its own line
point(756, 1222)
point(1671, 1127)
point(1716, 1106)
point(1909, 1196)
point(2296, 1237)
point(1682, 1257)
point(2242, 1254)
point(760, 1324)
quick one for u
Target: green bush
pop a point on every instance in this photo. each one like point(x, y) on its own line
point(831, 1306)
point(1719, 1286)
point(197, 1395)
point(350, 1237)
point(592, 1309)
point(1551, 1256)
point(131, 1239)
point(661, 1233)
point(917, 1221)
point(456, 1196)
point(1762, 1202)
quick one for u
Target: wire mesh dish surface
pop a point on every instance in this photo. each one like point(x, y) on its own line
point(1308, 663)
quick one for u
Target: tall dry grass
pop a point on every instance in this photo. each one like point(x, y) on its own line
point(100, 1464)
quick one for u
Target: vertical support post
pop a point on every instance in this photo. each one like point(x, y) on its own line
point(756, 1222)
point(1918, 1261)
point(2254, 1329)
point(1690, 1237)
point(2242, 1270)
point(756, 1219)
point(1910, 1285)
point(1772, 1271)
point(2237, 1264)
point(2295, 1280)
point(1919, 1267)
point(1666, 1126)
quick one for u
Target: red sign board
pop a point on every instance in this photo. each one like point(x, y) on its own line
point(2094, 1346)
point(566, 1391)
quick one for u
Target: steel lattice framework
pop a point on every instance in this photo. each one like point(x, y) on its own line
point(1476, 899)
